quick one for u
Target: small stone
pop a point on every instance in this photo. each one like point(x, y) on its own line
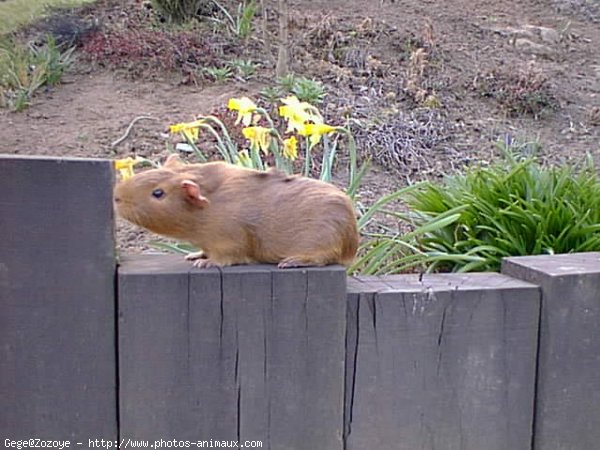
point(527, 46)
point(593, 115)
point(549, 35)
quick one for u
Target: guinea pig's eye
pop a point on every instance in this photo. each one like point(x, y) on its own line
point(158, 193)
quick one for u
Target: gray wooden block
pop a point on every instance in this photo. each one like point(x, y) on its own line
point(154, 348)
point(443, 362)
point(57, 320)
point(568, 383)
point(212, 387)
point(246, 298)
point(243, 353)
point(306, 364)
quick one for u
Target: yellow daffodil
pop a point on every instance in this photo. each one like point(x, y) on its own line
point(290, 148)
point(315, 131)
point(125, 166)
point(259, 137)
point(245, 107)
point(298, 113)
point(293, 102)
point(189, 129)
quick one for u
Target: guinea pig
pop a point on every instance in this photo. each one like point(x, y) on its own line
point(242, 216)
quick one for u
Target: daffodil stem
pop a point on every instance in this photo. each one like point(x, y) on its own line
point(195, 148)
point(307, 161)
point(229, 147)
point(220, 145)
point(266, 115)
point(279, 162)
point(353, 156)
point(129, 128)
point(328, 158)
point(256, 160)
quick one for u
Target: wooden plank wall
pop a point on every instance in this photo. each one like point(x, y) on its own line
point(298, 359)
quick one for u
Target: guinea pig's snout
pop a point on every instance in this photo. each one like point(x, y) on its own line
point(117, 199)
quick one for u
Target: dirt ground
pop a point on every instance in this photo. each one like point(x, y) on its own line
point(422, 113)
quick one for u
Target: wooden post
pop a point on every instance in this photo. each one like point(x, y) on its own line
point(446, 362)
point(567, 413)
point(243, 353)
point(57, 300)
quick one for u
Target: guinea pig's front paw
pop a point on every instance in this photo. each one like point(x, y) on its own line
point(195, 256)
point(205, 263)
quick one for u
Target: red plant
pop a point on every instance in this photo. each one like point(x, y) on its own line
point(157, 49)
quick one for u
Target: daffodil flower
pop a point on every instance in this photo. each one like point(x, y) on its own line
point(245, 107)
point(298, 113)
point(189, 129)
point(315, 130)
point(290, 148)
point(259, 137)
point(125, 166)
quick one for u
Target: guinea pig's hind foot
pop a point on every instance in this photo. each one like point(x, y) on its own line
point(195, 256)
point(292, 261)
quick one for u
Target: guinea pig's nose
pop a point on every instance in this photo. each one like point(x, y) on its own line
point(117, 200)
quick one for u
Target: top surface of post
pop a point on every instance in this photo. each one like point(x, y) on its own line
point(52, 158)
point(558, 265)
point(437, 282)
point(146, 264)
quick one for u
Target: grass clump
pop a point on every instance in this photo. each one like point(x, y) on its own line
point(179, 11)
point(25, 69)
point(239, 23)
point(471, 221)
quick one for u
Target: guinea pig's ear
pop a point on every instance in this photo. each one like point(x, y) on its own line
point(173, 161)
point(193, 195)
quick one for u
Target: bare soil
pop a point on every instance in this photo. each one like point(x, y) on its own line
point(422, 113)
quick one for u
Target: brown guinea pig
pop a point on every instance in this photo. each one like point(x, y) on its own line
point(241, 216)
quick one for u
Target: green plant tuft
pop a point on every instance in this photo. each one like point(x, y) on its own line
point(271, 94)
point(25, 69)
point(245, 68)
point(240, 24)
point(179, 11)
point(287, 82)
point(306, 89)
point(470, 222)
point(218, 73)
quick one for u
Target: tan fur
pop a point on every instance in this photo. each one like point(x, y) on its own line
point(250, 216)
